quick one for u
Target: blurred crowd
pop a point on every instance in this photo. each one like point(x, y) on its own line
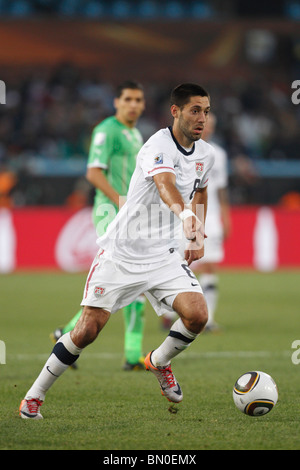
point(49, 115)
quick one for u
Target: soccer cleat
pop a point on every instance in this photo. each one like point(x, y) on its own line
point(169, 386)
point(212, 328)
point(56, 335)
point(30, 409)
point(136, 366)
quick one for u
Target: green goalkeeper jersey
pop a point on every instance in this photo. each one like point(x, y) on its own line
point(113, 148)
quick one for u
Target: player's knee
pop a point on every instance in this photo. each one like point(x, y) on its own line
point(196, 320)
point(192, 310)
point(199, 319)
point(200, 314)
point(88, 326)
point(203, 318)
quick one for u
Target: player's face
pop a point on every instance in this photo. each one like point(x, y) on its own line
point(129, 106)
point(189, 121)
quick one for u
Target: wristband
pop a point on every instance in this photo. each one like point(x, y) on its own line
point(186, 213)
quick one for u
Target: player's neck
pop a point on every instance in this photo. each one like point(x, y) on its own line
point(130, 124)
point(182, 139)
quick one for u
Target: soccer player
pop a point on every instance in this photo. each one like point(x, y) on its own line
point(114, 146)
point(139, 251)
point(217, 227)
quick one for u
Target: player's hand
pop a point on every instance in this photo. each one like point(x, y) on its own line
point(193, 228)
point(195, 249)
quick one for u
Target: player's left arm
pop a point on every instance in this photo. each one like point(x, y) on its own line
point(195, 249)
point(199, 204)
point(166, 185)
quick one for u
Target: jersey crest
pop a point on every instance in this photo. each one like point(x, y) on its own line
point(199, 168)
point(98, 291)
point(99, 138)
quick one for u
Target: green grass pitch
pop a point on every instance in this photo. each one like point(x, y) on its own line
point(102, 407)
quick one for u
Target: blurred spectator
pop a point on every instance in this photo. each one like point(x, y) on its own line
point(8, 181)
point(244, 180)
point(79, 197)
point(291, 200)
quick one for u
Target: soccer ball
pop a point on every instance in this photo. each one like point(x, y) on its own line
point(255, 393)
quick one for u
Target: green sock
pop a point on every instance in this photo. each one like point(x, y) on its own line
point(134, 327)
point(69, 326)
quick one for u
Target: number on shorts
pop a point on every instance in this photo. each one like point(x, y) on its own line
point(188, 271)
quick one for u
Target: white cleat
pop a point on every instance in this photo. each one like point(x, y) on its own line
point(30, 409)
point(169, 386)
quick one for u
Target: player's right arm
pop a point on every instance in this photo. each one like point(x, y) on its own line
point(97, 178)
point(100, 153)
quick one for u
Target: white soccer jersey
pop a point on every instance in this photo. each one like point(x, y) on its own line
point(145, 230)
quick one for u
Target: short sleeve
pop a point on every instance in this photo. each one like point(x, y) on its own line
point(153, 163)
point(100, 149)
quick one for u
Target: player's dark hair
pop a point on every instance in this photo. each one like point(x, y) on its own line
point(131, 84)
point(181, 94)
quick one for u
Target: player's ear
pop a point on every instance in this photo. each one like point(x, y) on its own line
point(116, 101)
point(174, 110)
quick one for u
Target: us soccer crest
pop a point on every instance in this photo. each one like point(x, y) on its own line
point(98, 291)
point(199, 168)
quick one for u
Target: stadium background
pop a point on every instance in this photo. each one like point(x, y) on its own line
point(60, 62)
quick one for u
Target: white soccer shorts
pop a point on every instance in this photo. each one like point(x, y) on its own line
point(112, 285)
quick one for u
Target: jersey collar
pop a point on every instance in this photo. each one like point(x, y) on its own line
point(181, 149)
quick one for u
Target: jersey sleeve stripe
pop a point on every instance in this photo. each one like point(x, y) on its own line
point(162, 168)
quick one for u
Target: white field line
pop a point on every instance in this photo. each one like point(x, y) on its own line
point(186, 355)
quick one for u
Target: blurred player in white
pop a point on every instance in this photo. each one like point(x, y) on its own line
point(217, 226)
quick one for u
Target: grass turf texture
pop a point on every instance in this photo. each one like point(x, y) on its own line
point(100, 406)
